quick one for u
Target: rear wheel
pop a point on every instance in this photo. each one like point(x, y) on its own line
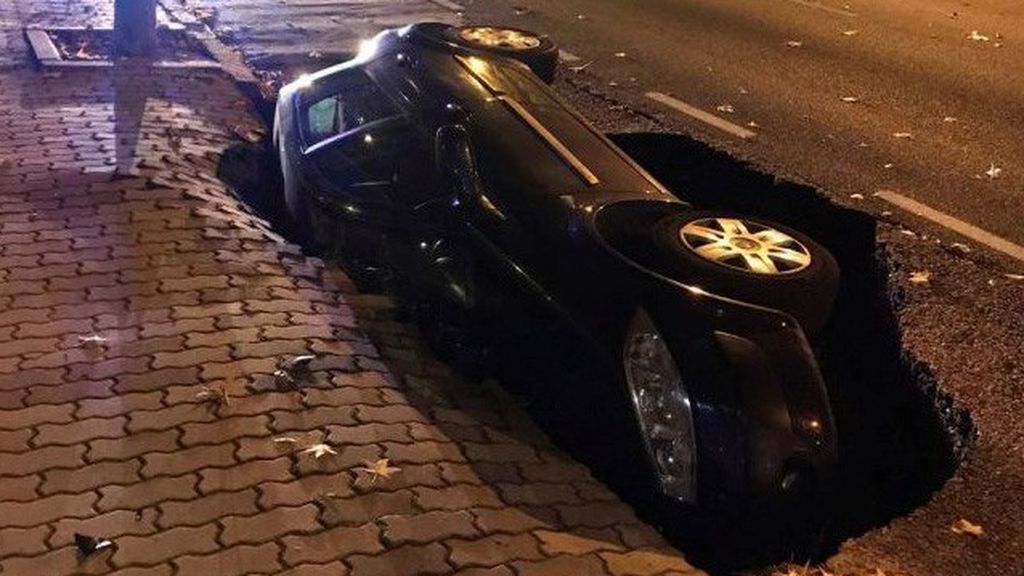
point(536, 51)
point(753, 260)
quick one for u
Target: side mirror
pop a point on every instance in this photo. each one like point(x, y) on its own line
point(455, 163)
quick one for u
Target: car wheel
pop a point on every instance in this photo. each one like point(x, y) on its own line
point(753, 260)
point(536, 51)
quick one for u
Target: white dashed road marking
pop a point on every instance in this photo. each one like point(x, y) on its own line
point(566, 56)
point(824, 8)
point(449, 5)
point(959, 226)
point(706, 117)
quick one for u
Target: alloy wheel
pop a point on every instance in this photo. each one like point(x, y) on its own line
point(744, 245)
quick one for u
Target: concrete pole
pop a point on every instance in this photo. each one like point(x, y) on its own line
point(134, 27)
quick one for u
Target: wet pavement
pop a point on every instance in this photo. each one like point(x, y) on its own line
point(956, 317)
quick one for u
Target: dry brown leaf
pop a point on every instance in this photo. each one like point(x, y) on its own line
point(964, 526)
point(320, 450)
point(380, 469)
point(920, 277)
point(216, 396)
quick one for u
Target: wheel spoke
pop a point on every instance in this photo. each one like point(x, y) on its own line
point(733, 227)
point(773, 237)
point(704, 232)
point(716, 252)
point(790, 255)
point(760, 262)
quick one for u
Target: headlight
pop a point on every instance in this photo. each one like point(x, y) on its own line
point(662, 407)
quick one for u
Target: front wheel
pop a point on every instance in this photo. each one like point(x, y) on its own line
point(536, 51)
point(753, 260)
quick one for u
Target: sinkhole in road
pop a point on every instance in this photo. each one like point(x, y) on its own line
point(900, 437)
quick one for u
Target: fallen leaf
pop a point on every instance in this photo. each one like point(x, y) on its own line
point(794, 43)
point(964, 526)
point(320, 450)
point(920, 277)
point(977, 36)
point(850, 99)
point(993, 172)
point(727, 108)
point(216, 396)
point(902, 135)
point(88, 545)
point(380, 469)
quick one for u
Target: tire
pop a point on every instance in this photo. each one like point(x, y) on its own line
point(805, 290)
point(535, 50)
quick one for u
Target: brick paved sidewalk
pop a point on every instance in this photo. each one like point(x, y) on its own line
point(184, 288)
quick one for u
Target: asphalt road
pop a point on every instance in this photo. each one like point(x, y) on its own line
point(786, 66)
point(910, 65)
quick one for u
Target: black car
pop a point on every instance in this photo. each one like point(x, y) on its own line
point(442, 153)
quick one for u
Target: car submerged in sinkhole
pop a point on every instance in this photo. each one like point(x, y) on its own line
point(678, 338)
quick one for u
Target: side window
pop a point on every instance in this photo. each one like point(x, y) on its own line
point(357, 101)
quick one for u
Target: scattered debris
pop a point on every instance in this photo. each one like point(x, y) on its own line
point(315, 54)
point(753, 124)
point(850, 99)
point(794, 43)
point(887, 166)
point(91, 341)
point(950, 119)
point(140, 514)
point(910, 233)
point(993, 172)
point(964, 526)
point(285, 440)
point(856, 196)
point(902, 135)
point(743, 90)
point(851, 32)
point(977, 36)
point(214, 396)
point(89, 545)
point(960, 247)
point(380, 469)
point(920, 277)
point(581, 67)
point(581, 16)
point(620, 54)
point(1017, 277)
point(521, 10)
point(320, 450)
point(6, 164)
point(727, 108)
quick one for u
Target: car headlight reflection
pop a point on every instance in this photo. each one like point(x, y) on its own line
point(662, 407)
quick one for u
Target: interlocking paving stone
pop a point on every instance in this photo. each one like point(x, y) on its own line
point(187, 288)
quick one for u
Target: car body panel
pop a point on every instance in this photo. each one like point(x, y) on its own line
point(545, 175)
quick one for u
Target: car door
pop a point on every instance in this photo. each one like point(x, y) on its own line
point(354, 144)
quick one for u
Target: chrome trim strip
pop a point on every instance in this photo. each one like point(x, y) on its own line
point(557, 145)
